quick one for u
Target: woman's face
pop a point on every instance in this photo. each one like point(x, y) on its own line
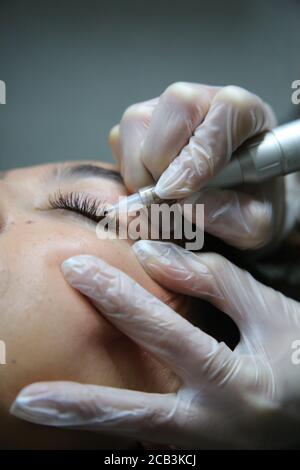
point(51, 332)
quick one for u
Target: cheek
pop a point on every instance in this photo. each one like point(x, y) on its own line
point(51, 331)
point(35, 279)
point(118, 253)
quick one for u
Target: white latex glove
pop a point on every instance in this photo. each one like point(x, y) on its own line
point(183, 138)
point(246, 398)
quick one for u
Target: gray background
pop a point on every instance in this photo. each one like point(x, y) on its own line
point(72, 67)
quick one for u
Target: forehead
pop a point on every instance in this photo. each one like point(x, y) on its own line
point(39, 171)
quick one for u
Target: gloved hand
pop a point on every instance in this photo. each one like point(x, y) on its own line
point(183, 138)
point(246, 398)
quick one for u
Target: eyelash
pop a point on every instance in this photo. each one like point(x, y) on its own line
point(83, 204)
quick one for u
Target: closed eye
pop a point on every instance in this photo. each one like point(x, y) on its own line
point(84, 204)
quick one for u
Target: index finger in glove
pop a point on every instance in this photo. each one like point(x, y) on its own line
point(209, 276)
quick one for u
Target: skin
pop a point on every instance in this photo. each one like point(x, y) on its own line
point(52, 332)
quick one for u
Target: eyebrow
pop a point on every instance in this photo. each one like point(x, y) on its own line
point(87, 171)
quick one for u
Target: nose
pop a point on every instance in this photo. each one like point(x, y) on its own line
point(10, 204)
